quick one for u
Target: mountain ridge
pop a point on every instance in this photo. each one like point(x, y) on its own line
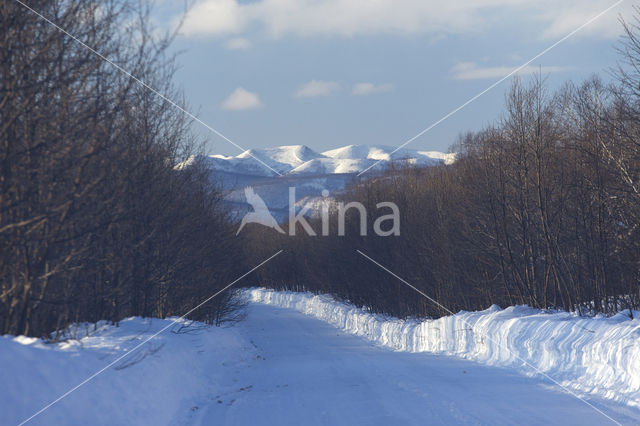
point(300, 167)
point(302, 160)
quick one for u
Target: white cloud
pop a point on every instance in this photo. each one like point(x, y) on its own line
point(215, 17)
point(433, 17)
point(471, 71)
point(238, 43)
point(331, 17)
point(316, 88)
point(241, 99)
point(567, 16)
point(364, 89)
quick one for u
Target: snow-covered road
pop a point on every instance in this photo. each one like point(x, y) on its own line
point(277, 367)
point(308, 372)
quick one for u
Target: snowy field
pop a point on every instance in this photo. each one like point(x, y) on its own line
point(302, 359)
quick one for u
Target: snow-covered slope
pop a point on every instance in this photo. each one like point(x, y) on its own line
point(386, 154)
point(599, 356)
point(282, 159)
point(159, 384)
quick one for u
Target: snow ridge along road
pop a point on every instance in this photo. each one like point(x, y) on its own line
point(598, 355)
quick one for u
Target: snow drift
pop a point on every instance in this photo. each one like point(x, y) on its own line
point(599, 355)
point(157, 384)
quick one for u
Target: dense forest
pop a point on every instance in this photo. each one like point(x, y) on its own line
point(96, 223)
point(541, 208)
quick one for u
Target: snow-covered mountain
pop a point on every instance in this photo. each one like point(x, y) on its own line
point(310, 172)
point(302, 160)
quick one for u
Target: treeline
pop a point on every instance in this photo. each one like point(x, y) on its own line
point(96, 222)
point(541, 208)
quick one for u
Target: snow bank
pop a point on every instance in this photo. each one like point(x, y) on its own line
point(598, 355)
point(163, 382)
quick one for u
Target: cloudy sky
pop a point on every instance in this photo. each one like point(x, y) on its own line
point(328, 73)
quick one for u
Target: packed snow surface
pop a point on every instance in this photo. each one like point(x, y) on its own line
point(283, 367)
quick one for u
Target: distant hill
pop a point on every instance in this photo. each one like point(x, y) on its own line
point(301, 167)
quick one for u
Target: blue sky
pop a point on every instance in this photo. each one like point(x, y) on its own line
point(328, 73)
